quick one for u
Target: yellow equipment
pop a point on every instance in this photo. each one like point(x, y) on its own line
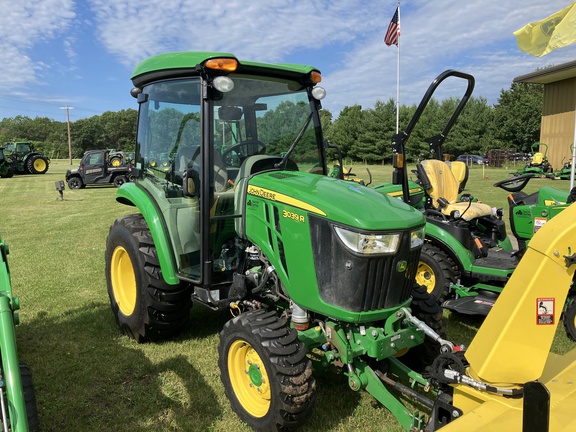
point(514, 382)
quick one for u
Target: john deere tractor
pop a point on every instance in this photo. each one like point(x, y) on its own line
point(27, 159)
point(7, 166)
point(247, 218)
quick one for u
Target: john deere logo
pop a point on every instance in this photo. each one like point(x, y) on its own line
point(402, 266)
point(549, 26)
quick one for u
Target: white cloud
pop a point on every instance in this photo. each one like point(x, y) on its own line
point(344, 38)
point(23, 25)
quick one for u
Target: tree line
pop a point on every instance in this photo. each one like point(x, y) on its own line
point(363, 135)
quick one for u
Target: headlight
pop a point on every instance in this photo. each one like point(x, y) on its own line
point(368, 244)
point(416, 238)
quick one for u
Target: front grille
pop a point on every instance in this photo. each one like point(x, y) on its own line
point(360, 283)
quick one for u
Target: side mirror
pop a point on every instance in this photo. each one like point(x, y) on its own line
point(191, 183)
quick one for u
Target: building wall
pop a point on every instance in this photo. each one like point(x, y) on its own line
point(558, 120)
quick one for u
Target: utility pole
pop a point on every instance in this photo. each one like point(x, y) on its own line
point(68, 108)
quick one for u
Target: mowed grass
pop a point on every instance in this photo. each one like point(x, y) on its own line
point(89, 377)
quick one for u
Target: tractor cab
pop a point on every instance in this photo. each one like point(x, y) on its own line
point(215, 129)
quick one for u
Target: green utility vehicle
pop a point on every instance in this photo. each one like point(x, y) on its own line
point(247, 218)
point(27, 159)
point(7, 166)
point(18, 402)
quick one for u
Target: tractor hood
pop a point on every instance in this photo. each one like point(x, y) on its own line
point(338, 200)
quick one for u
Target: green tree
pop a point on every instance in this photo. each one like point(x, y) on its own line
point(346, 130)
point(517, 116)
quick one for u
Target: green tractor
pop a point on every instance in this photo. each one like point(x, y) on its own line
point(247, 218)
point(27, 159)
point(467, 257)
point(7, 165)
point(18, 401)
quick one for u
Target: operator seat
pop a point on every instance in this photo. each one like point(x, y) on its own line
point(442, 188)
point(188, 157)
point(460, 171)
point(537, 159)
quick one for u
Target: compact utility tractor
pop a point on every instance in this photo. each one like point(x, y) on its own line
point(248, 219)
point(18, 412)
point(466, 244)
point(28, 160)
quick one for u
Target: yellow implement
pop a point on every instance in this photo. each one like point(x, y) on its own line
point(511, 351)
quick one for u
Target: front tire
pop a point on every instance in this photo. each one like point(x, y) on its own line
point(436, 271)
point(146, 308)
point(266, 375)
point(426, 309)
point(75, 183)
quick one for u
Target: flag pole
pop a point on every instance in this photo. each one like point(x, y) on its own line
point(398, 76)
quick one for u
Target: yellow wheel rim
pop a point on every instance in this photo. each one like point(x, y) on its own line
point(425, 276)
point(115, 162)
point(123, 281)
point(39, 164)
point(249, 378)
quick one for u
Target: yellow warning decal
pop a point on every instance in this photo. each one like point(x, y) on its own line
point(410, 191)
point(275, 196)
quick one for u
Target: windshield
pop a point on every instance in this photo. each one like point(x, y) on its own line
point(178, 126)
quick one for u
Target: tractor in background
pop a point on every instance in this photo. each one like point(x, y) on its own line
point(7, 165)
point(28, 160)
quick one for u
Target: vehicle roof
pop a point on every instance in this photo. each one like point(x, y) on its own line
point(180, 63)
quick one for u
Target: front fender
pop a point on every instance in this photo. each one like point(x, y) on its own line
point(130, 194)
point(450, 244)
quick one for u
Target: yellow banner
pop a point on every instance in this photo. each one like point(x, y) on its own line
point(556, 31)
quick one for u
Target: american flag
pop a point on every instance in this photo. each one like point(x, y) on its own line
point(393, 32)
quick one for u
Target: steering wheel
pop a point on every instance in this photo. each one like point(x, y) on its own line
point(515, 184)
point(234, 155)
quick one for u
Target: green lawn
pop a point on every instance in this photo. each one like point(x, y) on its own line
point(88, 377)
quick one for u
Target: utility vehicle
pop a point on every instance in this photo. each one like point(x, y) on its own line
point(248, 219)
point(18, 412)
point(28, 160)
point(99, 167)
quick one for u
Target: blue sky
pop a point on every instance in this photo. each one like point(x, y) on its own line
point(56, 53)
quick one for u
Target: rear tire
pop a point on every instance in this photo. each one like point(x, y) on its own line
point(119, 180)
point(436, 271)
point(266, 375)
point(146, 308)
point(37, 164)
point(569, 319)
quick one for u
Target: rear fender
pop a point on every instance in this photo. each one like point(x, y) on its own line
point(130, 194)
